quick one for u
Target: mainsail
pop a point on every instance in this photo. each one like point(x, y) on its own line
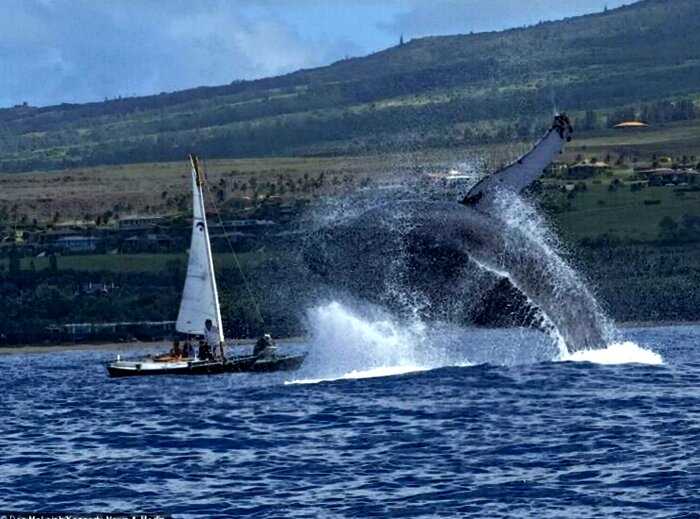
point(200, 298)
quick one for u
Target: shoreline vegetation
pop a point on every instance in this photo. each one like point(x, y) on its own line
point(636, 239)
point(164, 345)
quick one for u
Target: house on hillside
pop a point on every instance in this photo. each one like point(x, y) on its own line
point(138, 223)
point(556, 169)
point(250, 225)
point(74, 225)
point(150, 242)
point(77, 244)
point(664, 162)
point(671, 177)
point(584, 170)
point(631, 125)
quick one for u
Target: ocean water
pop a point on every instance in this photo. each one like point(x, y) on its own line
point(384, 420)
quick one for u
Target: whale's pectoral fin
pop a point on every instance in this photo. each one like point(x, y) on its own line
point(524, 171)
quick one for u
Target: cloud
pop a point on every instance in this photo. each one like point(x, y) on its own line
point(64, 51)
point(464, 16)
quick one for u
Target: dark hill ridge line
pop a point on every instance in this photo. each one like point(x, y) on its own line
point(342, 70)
point(592, 61)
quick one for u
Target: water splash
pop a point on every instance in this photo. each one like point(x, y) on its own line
point(542, 320)
point(362, 374)
point(522, 219)
point(617, 353)
point(520, 216)
point(361, 343)
point(351, 343)
point(516, 243)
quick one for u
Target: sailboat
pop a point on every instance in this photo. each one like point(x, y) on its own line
point(200, 314)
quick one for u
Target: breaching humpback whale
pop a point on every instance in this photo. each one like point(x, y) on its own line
point(438, 238)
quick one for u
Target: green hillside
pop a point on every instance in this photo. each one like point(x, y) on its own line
point(436, 91)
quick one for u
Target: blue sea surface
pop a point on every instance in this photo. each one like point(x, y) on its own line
point(503, 437)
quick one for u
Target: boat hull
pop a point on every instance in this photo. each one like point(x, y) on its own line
point(244, 364)
point(251, 364)
point(150, 368)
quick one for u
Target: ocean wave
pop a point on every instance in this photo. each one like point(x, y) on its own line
point(388, 371)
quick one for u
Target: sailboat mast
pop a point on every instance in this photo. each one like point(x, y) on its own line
point(199, 180)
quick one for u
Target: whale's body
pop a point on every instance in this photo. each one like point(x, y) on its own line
point(437, 239)
point(445, 237)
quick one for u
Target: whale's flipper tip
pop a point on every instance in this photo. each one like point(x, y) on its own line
point(527, 169)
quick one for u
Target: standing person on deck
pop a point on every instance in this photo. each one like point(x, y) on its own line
point(211, 335)
point(176, 352)
point(265, 347)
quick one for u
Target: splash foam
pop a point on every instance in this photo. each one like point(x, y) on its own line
point(350, 344)
point(369, 373)
point(570, 312)
point(617, 353)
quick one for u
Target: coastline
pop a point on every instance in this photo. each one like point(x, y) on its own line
point(116, 347)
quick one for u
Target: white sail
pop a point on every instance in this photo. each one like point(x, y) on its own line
point(200, 298)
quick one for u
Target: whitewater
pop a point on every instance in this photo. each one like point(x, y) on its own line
point(345, 344)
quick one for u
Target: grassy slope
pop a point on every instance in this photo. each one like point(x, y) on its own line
point(624, 214)
point(674, 139)
point(140, 188)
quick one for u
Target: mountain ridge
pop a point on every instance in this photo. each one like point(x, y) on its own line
point(436, 90)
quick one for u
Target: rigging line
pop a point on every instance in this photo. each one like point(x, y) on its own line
point(254, 300)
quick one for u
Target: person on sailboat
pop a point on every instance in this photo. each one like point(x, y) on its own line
point(176, 352)
point(187, 351)
point(211, 335)
point(265, 347)
point(204, 351)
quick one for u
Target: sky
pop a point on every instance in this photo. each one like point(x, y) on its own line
point(54, 51)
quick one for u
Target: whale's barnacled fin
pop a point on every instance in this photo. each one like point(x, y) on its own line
point(525, 170)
